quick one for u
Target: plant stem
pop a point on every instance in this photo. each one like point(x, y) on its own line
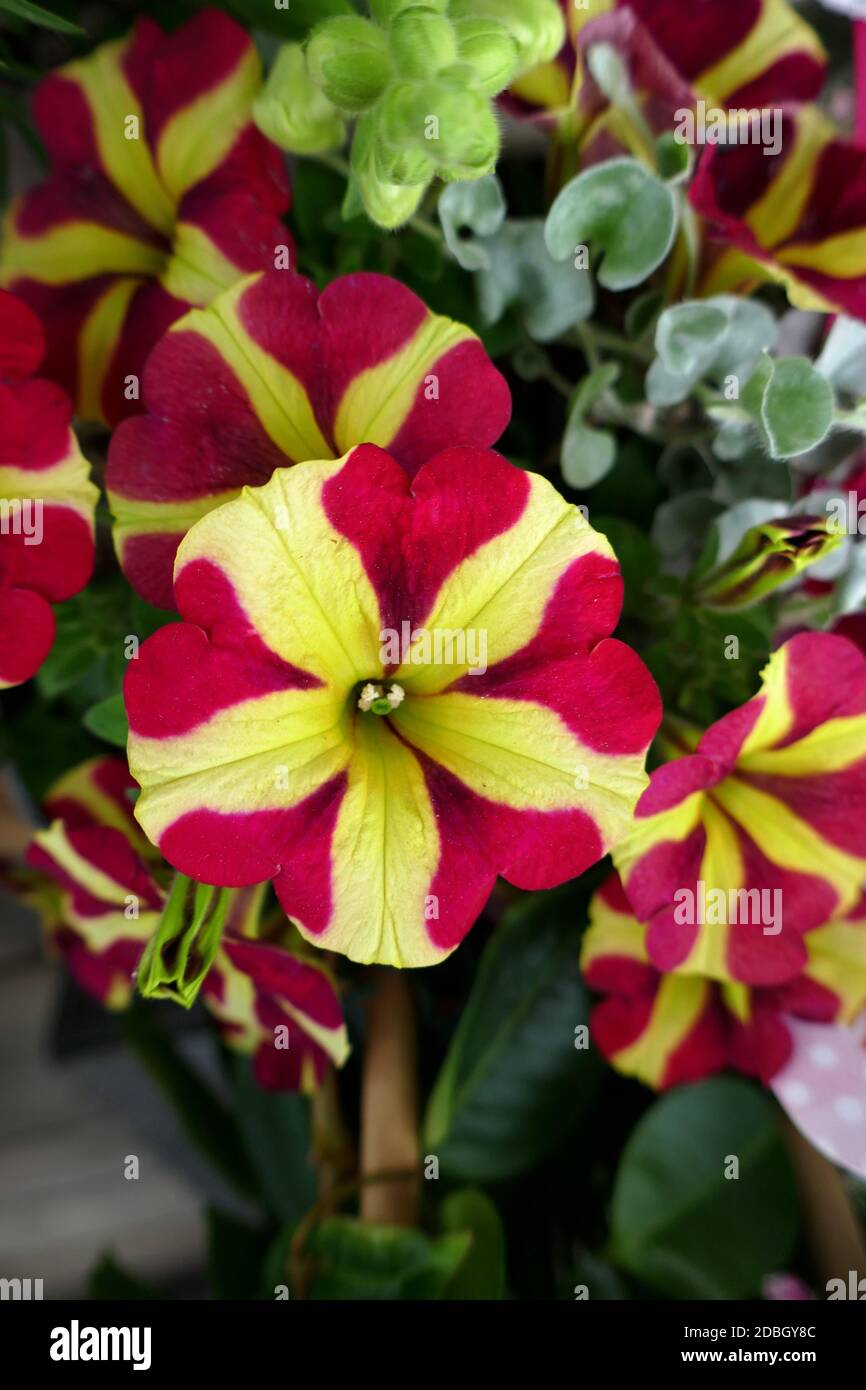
point(331, 1142)
point(335, 162)
point(389, 1104)
point(592, 336)
point(418, 223)
point(426, 229)
point(833, 1231)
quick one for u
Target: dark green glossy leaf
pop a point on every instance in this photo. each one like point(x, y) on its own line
point(291, 19)
point(44, 19)
point(107, 720)
point(276, 1133)
point(207, 1121)
point(513, 1081)
point(482, 1272)
point(678, 1222)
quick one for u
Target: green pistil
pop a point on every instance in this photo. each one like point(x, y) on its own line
point(375, 699)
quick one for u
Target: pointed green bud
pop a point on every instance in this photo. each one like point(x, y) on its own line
point(387, 204)
point(489, 50)
point(181, 951)
point(536, 26)
point(348, 58)
point(422, 42)
point(293, 112)
point(767, 556)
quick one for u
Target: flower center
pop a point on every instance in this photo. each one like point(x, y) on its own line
point(374, 697)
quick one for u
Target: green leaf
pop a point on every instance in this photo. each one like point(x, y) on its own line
point(293, 22)
point(689, 334)
point(276, 1133)
point(550, 297)
point(673, 158)
point(513, 1082)
point(42, 746)
point(751, 473)
point(210, 1126)
point(235, 1253)
point(72, 657)
point(593, 387)
point(679, 527)
point(587, 454)
point(380, 1262)
point(45, 19)
point(482, 1273)
point(711, 338)
point(633, 489)
point(677, 1222)
point(642, 314)
point(843, 356)
point(637, 558)
point(478, 206)
point(107, 720)
point(108, 1280)
point(624, 211)
point(797, 407)
point(88, 658)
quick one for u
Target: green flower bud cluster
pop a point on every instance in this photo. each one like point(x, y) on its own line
point(418, 77)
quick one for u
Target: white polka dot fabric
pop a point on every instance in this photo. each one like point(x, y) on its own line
point(823, 1089)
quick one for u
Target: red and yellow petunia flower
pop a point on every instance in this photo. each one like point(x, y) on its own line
point(759, 835)
point(798, 217)
point(273, 373)
point(162, 194)
point(386, 692)
point(669, 1029)
point(278, 1008)
point(47, 500)
point(97, 881)
point(744, 53)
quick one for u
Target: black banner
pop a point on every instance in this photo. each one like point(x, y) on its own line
point(257, 1340)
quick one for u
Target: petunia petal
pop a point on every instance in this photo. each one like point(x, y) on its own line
point(273, 374)
point(797, 216)
point(767, 818)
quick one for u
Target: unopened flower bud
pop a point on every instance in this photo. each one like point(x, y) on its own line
point(452, 124)
point(387, 204)
point(489, 50)
point(536, 26)
point(293, 112)
point(181, 951)
point(406, 168)
point(347, 57)
point(422, 42)
point(767, 556)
